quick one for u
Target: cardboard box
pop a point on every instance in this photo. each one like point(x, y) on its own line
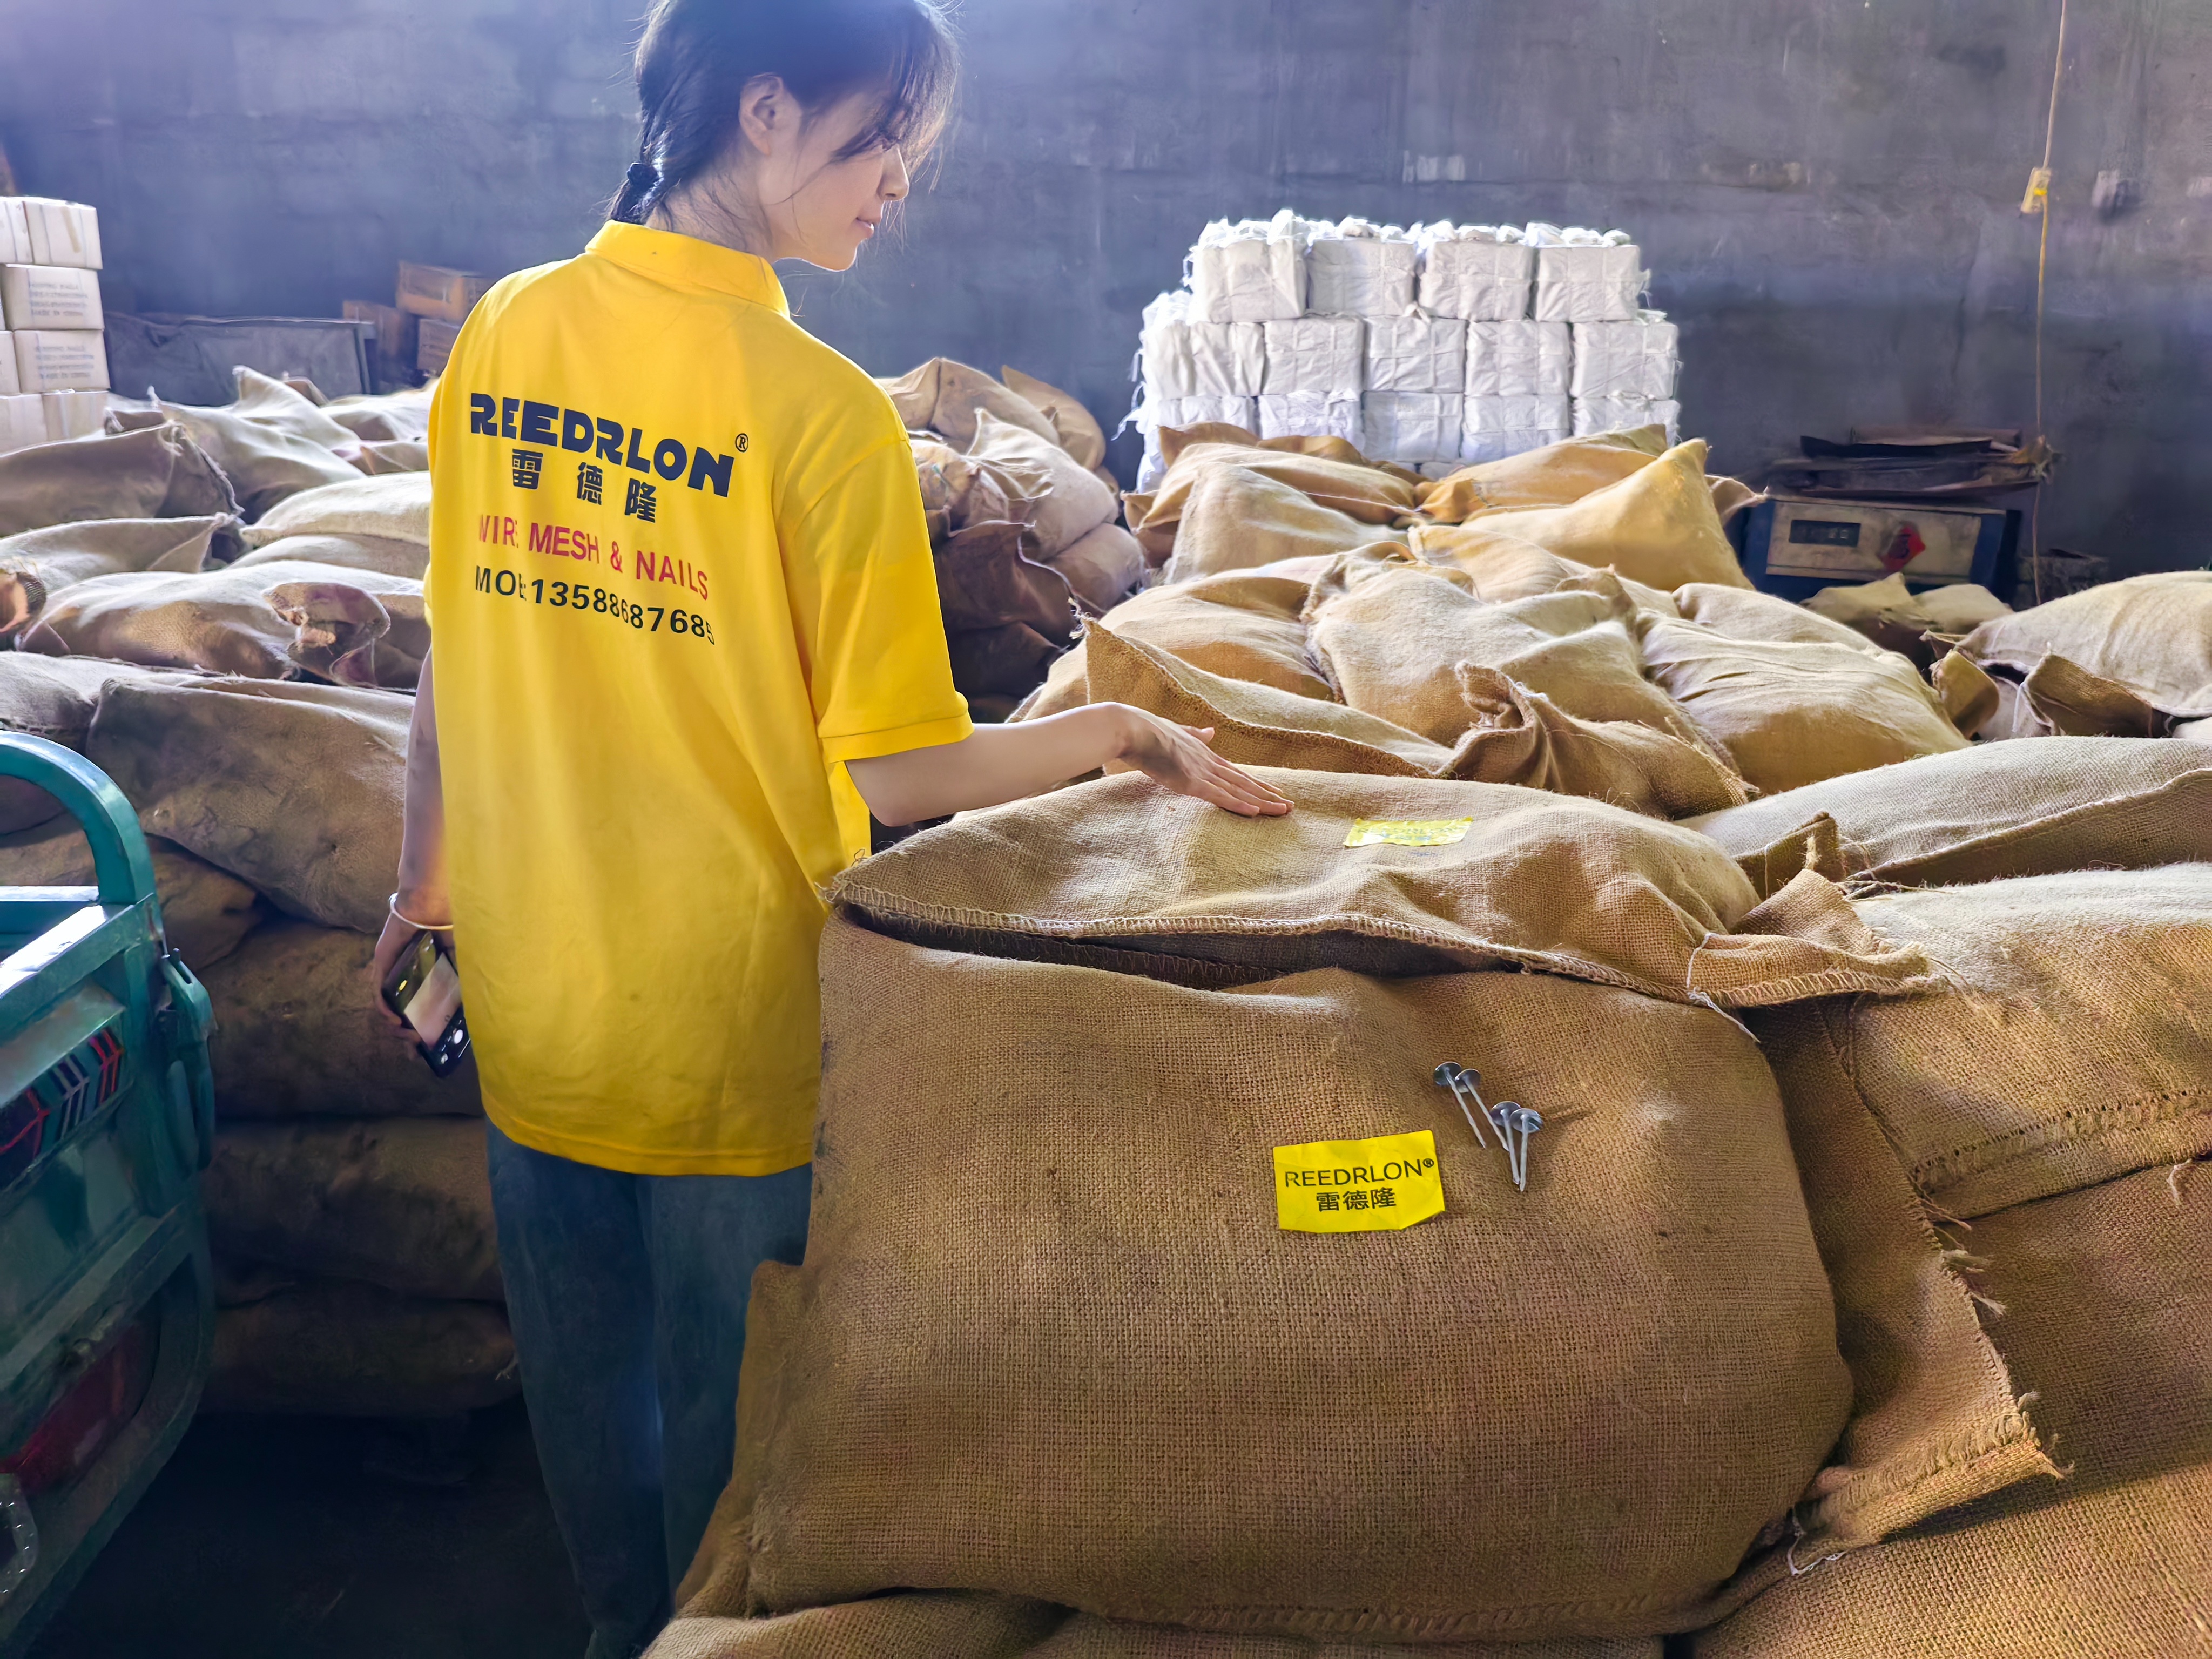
point(395, 329)
point(74, 413)
point(22, 421)
point(15, 231)
point(10, 385)
point(51, 360)
point(63, 232)
point(434, 291)
point(435, 344)
point(50, 296)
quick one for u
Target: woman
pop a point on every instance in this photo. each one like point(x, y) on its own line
point(687, 638)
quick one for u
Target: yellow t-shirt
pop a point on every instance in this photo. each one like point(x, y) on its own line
point(679, 575)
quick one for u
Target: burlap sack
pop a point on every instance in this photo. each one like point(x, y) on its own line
point(1085, 1636)
point(394, 507)
point(1066, 685)
point(1079, 431)
point(1656, 525)
point(392, 455)
point(1008, 661)
point(378, 555)
point(960, 494)
point(2071, 1045)
point(272, 621)
point(391, 416)
point(943, 395)
point(1235, 519)
point(157, 473)
point(968, 1625)
point(1369, 494)
point(1391, 634)
point(1505, 568)
point(1074, 502)
point(270, 402)
point(299, 1034)
point(1068, 1365)
point(1997, 809)
point(1241, 625)
point(38, 563)
point(1937, 1421)
point(1531, 881)
point(1743, 613)
point(333, 1349)
point(264, 464)
point(978, 1627)
point(1102, 566)
point(404, 1203)
point(986, 578)
point(55, 698)
point(2151, 633)
point(1254, 724)
point(1791, 715)
point(1553, 476)
point(204, 911)
point(295, 788)
point(1521, 737)
point(1970, 697)
point(2060, 698)
point(2107, 1295)
point(2116, 1572)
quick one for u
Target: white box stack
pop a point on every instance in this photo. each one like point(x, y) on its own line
point(22, 421)
point(51, 360)
point(1250, 272)
point(1585, 276)
point(1227, 360)
point(1625, 375)
point(1510, 425)
point(1311, 415)
point(54, 353)
point(1441, 345)
point(1322, 355)
point(1359, 269)
point(1478, 273)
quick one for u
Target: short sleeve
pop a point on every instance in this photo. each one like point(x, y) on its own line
point(431, 440)
point(864, 593)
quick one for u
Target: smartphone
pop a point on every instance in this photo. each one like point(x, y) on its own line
point(424, 989)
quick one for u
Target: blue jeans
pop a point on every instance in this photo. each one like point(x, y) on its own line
point(628, 1295)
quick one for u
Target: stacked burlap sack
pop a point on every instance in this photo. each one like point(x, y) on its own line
point(1901, 1033)
point(1885, 1333)
point(1022, 515)
point(1050, 1343)
point(228, 669)
point(2043, 1113)
point(1572, 619)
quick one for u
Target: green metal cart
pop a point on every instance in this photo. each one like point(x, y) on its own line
point(107, 1115)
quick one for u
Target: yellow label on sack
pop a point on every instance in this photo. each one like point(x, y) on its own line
point(1375, 1186)
point(1408, 832)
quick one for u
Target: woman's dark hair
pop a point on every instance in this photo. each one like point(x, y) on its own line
point(697, 57)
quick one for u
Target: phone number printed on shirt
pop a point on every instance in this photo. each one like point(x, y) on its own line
point(583, 600)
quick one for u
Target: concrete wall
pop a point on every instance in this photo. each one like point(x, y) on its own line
point(1827, 190)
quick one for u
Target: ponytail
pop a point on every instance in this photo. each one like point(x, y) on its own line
point(696, 58)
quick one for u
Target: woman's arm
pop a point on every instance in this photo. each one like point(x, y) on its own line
point(422, 894)
point(1005, 763)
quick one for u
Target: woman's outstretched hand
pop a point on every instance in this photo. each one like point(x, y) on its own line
point(1182, 758)
point(997, 763)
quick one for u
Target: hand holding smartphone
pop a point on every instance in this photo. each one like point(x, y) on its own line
point(424, 989)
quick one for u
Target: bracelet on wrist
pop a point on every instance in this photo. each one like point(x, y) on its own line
point(400, 914)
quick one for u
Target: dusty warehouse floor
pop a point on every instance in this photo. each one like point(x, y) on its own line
point(266, 1538)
